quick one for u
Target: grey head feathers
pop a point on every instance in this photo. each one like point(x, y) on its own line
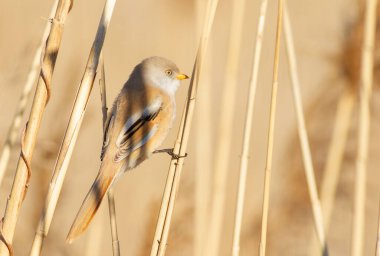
point(159, 72)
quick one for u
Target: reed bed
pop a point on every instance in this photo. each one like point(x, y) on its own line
point(72, 130)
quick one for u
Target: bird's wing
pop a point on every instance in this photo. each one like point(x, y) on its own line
point(137, 130)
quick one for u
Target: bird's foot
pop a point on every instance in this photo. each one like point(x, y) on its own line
point(170, 152)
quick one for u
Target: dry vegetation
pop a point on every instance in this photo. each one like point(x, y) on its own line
point(328, 44)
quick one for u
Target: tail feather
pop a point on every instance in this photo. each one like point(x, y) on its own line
point(89, 206)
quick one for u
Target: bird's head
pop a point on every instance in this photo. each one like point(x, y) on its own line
point(162, 73)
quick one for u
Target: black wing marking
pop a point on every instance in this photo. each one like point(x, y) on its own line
point(106, 136)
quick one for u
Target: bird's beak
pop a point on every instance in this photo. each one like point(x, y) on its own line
point(181, 76)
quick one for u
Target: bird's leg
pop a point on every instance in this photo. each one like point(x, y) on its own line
point(170, 152)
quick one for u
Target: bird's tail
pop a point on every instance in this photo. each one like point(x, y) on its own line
point(89, 206)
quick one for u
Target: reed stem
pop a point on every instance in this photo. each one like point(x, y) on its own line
point(113, 223)
point(225, 127)
point(110, 193)
point(248, 130)
point(335, 158)
point(272, 117)
point(203, 153)
point(302, 132)
point(366, 78)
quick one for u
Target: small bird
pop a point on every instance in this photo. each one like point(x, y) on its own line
point(137, 124)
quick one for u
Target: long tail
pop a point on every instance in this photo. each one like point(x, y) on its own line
point(89, 206)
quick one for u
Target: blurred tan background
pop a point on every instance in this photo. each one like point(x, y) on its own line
point(168, 28)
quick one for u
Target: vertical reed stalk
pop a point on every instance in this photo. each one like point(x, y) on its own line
point(113, 223)
point(203, 156)
point(272, 117)
point(110, 194)
point(335, 157)
point(16, 122)
point(336, 153)
point(225, 128)
point(248, 130)
point(306, 154)
point(72, 130)
point(41, 97)
point(175, 169)
point(165, 204)
point(366, 78)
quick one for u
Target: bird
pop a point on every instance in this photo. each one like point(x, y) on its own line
point(138, 122)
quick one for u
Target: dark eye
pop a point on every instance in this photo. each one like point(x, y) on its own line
point(168, 72)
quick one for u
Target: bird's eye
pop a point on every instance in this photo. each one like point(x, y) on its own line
point(168, 72)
